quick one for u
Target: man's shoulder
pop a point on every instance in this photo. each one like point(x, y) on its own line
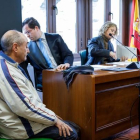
point(53, 35)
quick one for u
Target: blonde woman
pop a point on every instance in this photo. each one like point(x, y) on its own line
point(100, 49)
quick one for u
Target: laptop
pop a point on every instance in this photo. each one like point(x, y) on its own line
point(122, 51)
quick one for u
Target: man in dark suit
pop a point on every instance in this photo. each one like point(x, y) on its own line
point(47, 51)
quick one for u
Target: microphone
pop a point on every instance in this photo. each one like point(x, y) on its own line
point(132, 65)
point(136, 38)
point(122, 44)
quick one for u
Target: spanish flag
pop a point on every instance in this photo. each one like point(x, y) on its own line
point(135, 27)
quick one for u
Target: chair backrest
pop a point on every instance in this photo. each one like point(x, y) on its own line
point(83, 55)
point(31, 72)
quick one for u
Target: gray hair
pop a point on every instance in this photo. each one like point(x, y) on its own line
point(9, 38)
point(106, 26)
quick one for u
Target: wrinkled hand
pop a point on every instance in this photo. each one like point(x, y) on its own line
point(64, 129)
point(113, 55)
point(124, 58)
point(58, 117)
point(63, 66)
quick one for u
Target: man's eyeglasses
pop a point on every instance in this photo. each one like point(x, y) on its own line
point(29, 31)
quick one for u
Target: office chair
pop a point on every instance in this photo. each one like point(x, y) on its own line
point(83, 55)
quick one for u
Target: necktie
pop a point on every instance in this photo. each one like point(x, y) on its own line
point(44, 52)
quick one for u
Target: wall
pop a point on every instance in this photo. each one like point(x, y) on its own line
point(10, 15)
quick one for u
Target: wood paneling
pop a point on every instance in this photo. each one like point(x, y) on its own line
point(100, 103)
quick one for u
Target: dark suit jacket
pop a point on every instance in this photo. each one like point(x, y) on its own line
point(96, 51)
point(59, 51)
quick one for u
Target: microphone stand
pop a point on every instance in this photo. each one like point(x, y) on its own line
point(136, 38)
point(138, 86)
point(132, 65)
point(123, 45)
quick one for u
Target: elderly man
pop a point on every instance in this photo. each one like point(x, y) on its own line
point(22, 113)
point(47, 51)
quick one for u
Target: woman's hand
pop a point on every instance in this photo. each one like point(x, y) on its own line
point(123, 58)
point(113, 55)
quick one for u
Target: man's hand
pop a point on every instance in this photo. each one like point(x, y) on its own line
point(59, 117)
point(64, 129)
point(113, 55)
point(63, 66)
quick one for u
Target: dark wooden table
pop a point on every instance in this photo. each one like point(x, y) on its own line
point(99, 103)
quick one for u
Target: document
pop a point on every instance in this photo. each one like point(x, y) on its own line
point(126, 51)
point(116, 69)
point(99, 67)
point(120, 63)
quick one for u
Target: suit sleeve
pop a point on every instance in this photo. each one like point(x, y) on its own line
point(96, 49)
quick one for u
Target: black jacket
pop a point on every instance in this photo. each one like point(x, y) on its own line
point(96, 51)
point(59, 50)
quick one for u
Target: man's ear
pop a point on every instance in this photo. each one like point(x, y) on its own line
point(36, 27)
point(15, 47)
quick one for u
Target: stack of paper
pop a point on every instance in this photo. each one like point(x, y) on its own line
point(120, 63)
point(99, 67)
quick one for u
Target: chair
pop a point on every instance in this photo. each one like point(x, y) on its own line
point(83, 55)
point(38, 87)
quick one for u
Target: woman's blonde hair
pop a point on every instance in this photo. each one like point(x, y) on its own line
point(106, 26)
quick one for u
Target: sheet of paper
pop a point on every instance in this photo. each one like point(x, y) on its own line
point(99, 67)
point(120, 63)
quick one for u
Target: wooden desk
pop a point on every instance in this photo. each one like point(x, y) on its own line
point(100, 103)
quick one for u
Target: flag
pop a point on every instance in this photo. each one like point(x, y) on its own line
point(135, 27)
